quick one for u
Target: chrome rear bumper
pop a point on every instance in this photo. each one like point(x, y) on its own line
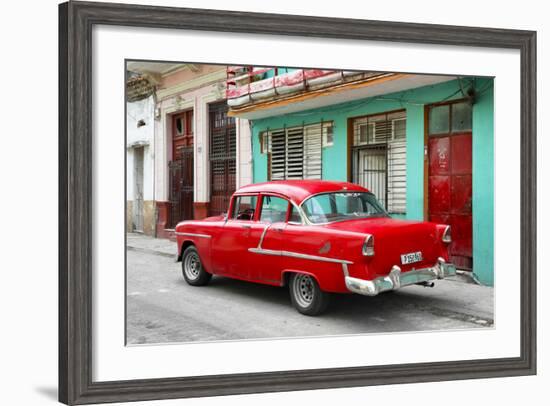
point(397, 279)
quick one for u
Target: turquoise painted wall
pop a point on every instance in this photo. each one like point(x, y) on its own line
point(483, 183)
point(280, 71)
point(335, 156)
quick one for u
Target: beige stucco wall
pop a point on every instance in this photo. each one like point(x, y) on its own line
point(148, 217)
point(129, 216)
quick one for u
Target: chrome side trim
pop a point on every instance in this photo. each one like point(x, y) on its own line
point(194, 235)
point(263, 235)
point(450, 237)
point(345, 269)
point(298, 255)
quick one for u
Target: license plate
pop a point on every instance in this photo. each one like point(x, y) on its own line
point(411, 258)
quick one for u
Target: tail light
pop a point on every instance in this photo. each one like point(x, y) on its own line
point(446, 238)
point(368, 246)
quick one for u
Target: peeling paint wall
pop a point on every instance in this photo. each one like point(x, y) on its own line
point(140, 137)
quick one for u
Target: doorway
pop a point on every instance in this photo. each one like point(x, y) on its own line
point(181, 168)
point(138, 190)
point(449, 162)
point(223, 150)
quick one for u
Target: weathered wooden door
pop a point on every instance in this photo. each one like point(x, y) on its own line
point(223, 148)
point(450, 176)
point(181, 168)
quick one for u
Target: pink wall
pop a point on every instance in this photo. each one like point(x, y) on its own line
point(187, 74)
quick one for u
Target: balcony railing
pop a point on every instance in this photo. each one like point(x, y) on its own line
point(248, 85)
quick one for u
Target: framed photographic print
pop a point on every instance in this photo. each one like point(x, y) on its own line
point(260, 202)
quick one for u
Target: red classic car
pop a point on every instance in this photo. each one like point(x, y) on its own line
point(316, 237)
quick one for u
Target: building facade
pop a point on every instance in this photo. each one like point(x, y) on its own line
point(140, 208)
point(200, 155)
point(423, 144)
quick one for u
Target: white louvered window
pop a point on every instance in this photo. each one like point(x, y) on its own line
point(397, 168)
point(296, 152)
point(380, 156)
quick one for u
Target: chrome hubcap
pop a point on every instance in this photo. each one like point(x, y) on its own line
point(303, 290)
point(192, 266)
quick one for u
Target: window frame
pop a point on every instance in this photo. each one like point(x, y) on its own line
point(323, 127)
point(366, 142)
point(232, 207)
point(355, 146)
point(261, 204)
point(264, 143)
point(298, 209)
point(449, 104)
point(327, 126)
point(187, 116)
point(393, 127)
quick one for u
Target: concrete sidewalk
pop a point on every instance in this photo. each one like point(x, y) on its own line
point(144, 243)
point(455, 297)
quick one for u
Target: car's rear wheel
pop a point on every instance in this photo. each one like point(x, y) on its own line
point(192, 269)
point(306, 295)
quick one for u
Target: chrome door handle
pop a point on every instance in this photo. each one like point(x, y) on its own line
point(246, 226)
point(279, 230)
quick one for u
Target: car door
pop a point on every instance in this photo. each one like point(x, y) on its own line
point(315, 241)
point(230, 253)
point(265, 265)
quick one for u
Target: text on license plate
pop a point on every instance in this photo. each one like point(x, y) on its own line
point(411, 258)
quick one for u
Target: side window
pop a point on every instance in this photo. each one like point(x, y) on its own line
point(318, 208)
point(294, 216)
point(349, 203)
point(244, 207)
point(273, 209)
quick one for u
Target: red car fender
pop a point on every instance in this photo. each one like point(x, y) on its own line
point(325, 285)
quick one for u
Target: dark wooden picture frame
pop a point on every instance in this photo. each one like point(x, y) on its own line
point(76, 20)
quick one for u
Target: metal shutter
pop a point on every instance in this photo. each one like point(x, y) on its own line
point(313, 146)
point(277, 140)
point(382, 131)
point(295, 153)
point(397, 177)
point(294, 168)
point(222, 158)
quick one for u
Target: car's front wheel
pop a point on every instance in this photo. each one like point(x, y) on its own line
point(306, 295)
point(192, 269)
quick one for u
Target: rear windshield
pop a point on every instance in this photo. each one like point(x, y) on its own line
point(338, 206)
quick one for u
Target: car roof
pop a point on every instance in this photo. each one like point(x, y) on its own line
point(299, 190)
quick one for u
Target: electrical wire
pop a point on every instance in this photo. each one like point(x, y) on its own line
point(403, 102)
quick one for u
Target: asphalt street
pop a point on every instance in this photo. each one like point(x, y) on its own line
point(162, 308)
